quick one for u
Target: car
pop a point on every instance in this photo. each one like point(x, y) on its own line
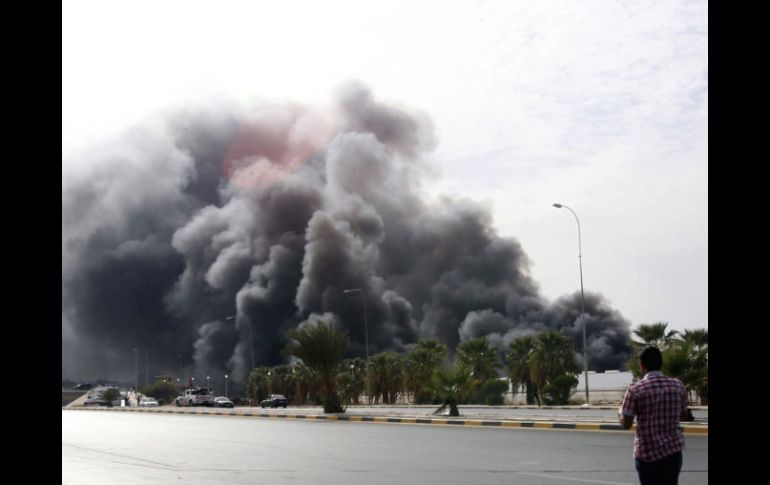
point(95, 397)
point(95, 401)
point(275, 400)
point(196, 396)
point(83, 387)
point(223, 402)
point(148, 402)
point(241, 401)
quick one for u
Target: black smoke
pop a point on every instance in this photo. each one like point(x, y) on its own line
point(205, 236)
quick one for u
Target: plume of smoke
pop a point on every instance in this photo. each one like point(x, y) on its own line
point(268, 214)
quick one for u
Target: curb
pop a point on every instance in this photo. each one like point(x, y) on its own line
point(491, 423)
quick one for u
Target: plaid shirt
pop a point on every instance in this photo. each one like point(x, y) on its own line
point(658, 402)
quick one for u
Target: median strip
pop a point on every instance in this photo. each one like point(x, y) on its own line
point(575, 426)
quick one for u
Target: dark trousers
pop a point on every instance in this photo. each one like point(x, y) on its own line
point(662, 472)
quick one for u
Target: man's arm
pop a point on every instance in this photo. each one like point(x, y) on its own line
point(626, 411)
point(686, 413)
point(626, 421)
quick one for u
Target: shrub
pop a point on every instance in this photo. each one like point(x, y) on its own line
point(493, 391)
point(560, 389)
point(110, 395)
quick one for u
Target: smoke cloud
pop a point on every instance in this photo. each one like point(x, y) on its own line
point(205, 236)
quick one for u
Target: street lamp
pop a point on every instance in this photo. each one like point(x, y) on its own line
point(582, 299)
point(226, 376)
point(207, 383)
point(146, 369)
point(366, 323)
point(136, 369)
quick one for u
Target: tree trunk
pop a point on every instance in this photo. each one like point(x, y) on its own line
point(332, 404)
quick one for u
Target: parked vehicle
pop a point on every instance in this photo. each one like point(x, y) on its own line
point(83, 387)
point(95, 397)
point(223, 402)
point(275, 400)
point(148, 402)
point(197, 396)
point(241, 401)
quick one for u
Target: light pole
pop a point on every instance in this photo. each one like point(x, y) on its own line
point(226, 376)
point(582, 300)
point(146, 369)
point(366, 323)
point(179, 367)
point(207, 383)
point(136, 369)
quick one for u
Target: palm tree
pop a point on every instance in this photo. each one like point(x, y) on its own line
point(698, 337)
point(306, 382)
point(452, 386)
point(321, 349)
point(281, 380)
point(351, 378)
point(480, 359)
point(421, 363)
point(517, 359)
point(553, 355)
point(687, 360)
point(386, 376)
point(655, 334)
point(110, 394)
point(257, 384)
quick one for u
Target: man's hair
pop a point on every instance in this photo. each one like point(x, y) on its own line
point(651, 358)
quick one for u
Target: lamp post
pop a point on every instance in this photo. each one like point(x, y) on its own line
point(179, 367)
point(226, 376)
point(207, 383)
point(136, 369)
point(582, 299)
point(146, 369)
point(366, 323)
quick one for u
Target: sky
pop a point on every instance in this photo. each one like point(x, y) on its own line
point(599, 105)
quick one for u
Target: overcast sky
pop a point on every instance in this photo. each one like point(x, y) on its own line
point(599, 105)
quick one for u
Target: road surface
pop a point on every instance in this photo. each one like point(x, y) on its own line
point(143, 448)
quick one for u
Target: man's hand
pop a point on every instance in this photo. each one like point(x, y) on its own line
point(625, 421)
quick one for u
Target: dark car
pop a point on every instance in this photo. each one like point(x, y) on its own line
point(274, 401)
point(241, 401)
point(83, 387)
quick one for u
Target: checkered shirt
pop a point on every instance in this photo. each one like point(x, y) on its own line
point(657, 402)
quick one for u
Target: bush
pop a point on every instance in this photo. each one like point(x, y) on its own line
point(493, 391)
point(560, 389)
point(110, 395)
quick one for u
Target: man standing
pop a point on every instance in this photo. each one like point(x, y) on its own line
point(658, 402)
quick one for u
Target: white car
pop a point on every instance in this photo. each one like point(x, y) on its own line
point(223, 402)
point(148, 402)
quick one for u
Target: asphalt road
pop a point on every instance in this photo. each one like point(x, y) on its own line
point(143, 448)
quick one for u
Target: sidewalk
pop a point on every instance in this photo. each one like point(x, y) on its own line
point(470, 416)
